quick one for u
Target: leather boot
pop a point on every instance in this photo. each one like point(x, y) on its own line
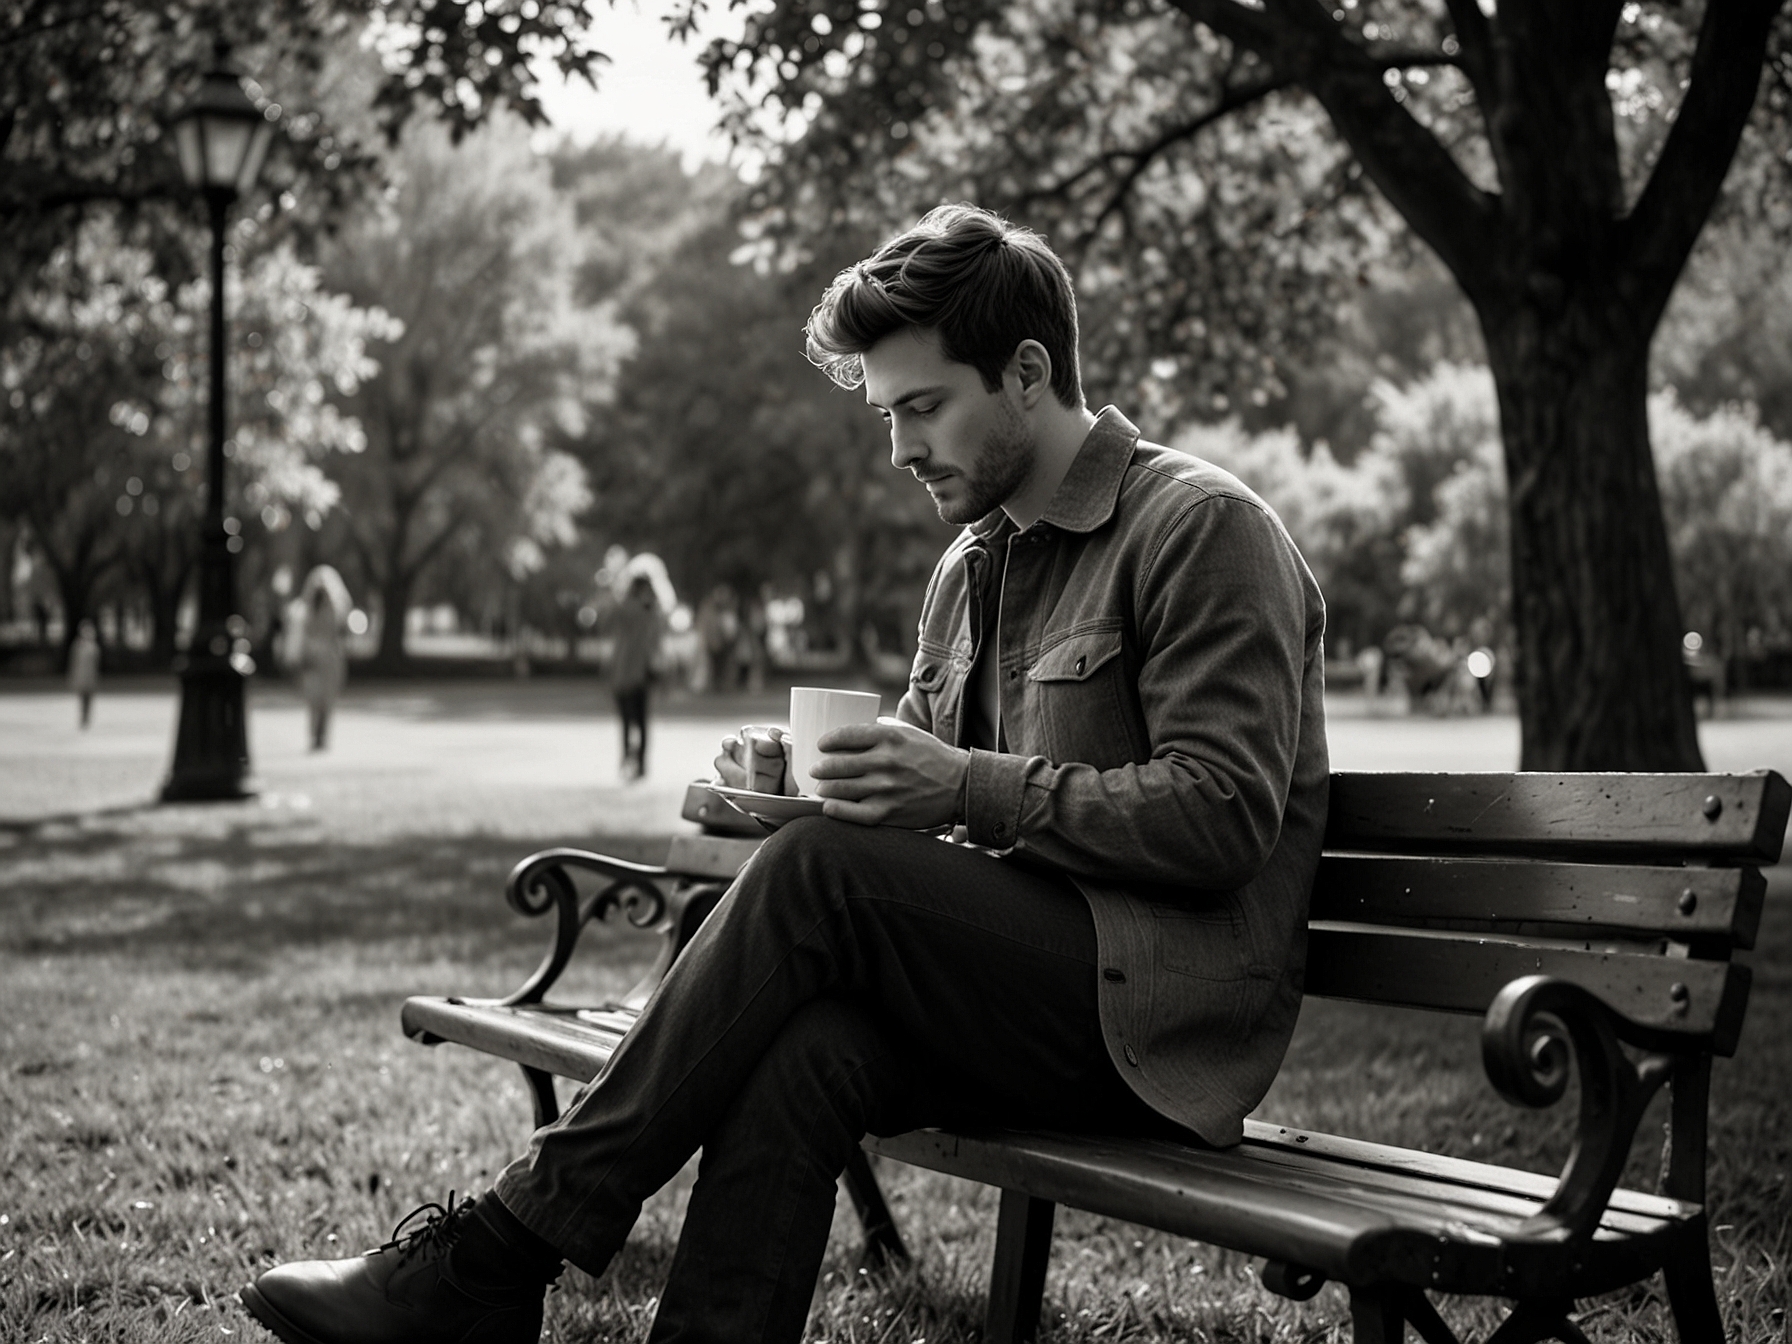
point(471, 1274)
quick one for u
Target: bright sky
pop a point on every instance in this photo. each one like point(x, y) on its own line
point(652, 89)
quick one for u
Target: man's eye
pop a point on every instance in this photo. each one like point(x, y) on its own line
point(927, 409)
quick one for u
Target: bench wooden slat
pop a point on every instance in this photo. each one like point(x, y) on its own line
point(1685, 904)
point(1501, 1202)
point(554, 1040)
point(1462, 973)
point(1334, 1221)
point(715, 856)
point(1562, 814)
point(715, 813)
point(1464, 1171)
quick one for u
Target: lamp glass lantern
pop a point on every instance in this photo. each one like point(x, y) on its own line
point(222, 136)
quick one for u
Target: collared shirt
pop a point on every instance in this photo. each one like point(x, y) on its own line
point(1160, 678)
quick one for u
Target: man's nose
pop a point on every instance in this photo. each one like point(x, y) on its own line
point(906, 447)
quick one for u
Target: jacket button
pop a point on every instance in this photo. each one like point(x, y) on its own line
point(1013, 672)
point(1080, 664)
point(1001, 829)
point(1114, 974)
point(1131, 1058)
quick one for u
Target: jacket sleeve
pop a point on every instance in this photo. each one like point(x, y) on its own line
point(1226, 617)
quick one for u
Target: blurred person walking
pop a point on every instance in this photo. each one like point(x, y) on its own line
point(84, 668)
point(322, 657)
point(637, 626)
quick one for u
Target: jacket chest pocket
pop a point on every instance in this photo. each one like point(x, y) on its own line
point(1075, 690)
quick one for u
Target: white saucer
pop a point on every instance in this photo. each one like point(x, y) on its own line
point(770, 810)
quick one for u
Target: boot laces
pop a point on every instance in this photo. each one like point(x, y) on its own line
point(441, 1228)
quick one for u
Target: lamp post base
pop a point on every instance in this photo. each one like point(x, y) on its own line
point(211, 751)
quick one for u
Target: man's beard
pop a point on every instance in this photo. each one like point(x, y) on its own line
point(1001, 467)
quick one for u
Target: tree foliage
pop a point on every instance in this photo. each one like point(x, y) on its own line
point(1428, 500)
point(88, 88)
point(732, 457)
point(497, 361)
point(101, 435)
point(1207, 166)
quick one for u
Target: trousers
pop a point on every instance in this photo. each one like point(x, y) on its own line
point(631, 709)
point(853, 980)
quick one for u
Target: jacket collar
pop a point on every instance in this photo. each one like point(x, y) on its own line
point(1087, 495)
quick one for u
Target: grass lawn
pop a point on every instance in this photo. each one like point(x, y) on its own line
point(201, 1074)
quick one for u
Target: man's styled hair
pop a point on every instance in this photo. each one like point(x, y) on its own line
point(983, 284)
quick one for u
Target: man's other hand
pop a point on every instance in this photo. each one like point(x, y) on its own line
point(769, 754)
point(890, 773)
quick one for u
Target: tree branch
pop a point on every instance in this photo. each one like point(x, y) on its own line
point(1410, 58)
point(1141, 156)
point(1474, 37)
point(1252, 29)
point(1682, 189)
point(1301, 42)
point(1142, 159)
point(27, 193)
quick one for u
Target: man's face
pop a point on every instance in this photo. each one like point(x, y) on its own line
point(971, 447)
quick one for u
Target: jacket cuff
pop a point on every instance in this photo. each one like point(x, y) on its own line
point(994, 787)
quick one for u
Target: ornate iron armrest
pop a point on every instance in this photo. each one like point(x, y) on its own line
point(1525, 1046)
point(540, 883)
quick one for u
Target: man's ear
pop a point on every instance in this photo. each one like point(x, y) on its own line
point(1033, 367)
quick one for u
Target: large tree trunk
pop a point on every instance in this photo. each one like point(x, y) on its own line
point(1570, 274)
point(1601, 681)
point(74, 586)
point(164, 613)
point(395, 603)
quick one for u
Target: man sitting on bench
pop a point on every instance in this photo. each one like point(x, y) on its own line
point(1116, 704)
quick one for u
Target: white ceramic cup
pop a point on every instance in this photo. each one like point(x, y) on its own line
point(813, 712)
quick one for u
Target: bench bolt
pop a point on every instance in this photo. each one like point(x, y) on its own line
point(1689, 901)
point(1681, 995)
point(1714, 807)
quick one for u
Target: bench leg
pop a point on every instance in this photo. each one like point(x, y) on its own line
point(1017, 1279)
point(1539, 1319)
point(1690, 1291)
point(1380, 1316)
point(541, 1092)
point(1375, 1316)
point(883, 1243)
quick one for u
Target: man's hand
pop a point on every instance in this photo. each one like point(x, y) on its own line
point(890, 773)
point(769, 753)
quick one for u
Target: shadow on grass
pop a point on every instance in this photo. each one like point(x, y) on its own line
point(240, 898)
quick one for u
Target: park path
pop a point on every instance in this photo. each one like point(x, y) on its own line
point(538, 759)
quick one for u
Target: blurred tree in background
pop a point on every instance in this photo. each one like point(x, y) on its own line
point(465, 365)
point(474, 254)
point(87, 88)
point(1206, 164)
point(1427, 500)
point(729, 455)
point(104, 385)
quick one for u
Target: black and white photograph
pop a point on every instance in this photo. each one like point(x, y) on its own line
point(895, 671)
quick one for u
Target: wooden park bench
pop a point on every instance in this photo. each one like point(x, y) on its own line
point(1577, 914)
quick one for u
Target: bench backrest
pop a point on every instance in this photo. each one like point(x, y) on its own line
point(1437, 889)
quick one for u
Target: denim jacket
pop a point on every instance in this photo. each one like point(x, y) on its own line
point(1161, 681)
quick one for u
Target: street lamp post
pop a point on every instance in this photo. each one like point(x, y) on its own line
point(222, 137)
